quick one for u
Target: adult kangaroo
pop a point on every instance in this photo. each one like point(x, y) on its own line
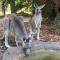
point(35, 22)
point(16, 24)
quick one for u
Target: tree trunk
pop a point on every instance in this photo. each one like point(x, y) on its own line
point(3, 8)
point(12, 4)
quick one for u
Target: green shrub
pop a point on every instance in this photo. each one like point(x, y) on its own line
point(57, 23)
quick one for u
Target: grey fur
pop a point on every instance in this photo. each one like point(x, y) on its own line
point(16, 24)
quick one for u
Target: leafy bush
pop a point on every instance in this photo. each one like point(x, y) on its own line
point(57, 23)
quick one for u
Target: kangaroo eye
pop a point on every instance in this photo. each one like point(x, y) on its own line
point(37, 9)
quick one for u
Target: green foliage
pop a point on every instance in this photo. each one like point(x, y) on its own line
point(57, 23)
point(19, 4)
point(15, 4)
point(54, 28)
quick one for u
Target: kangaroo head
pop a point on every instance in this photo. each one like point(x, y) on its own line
point(38, 8)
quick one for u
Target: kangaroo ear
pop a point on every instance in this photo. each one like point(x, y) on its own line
point(35, 5)
point(42, 6)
